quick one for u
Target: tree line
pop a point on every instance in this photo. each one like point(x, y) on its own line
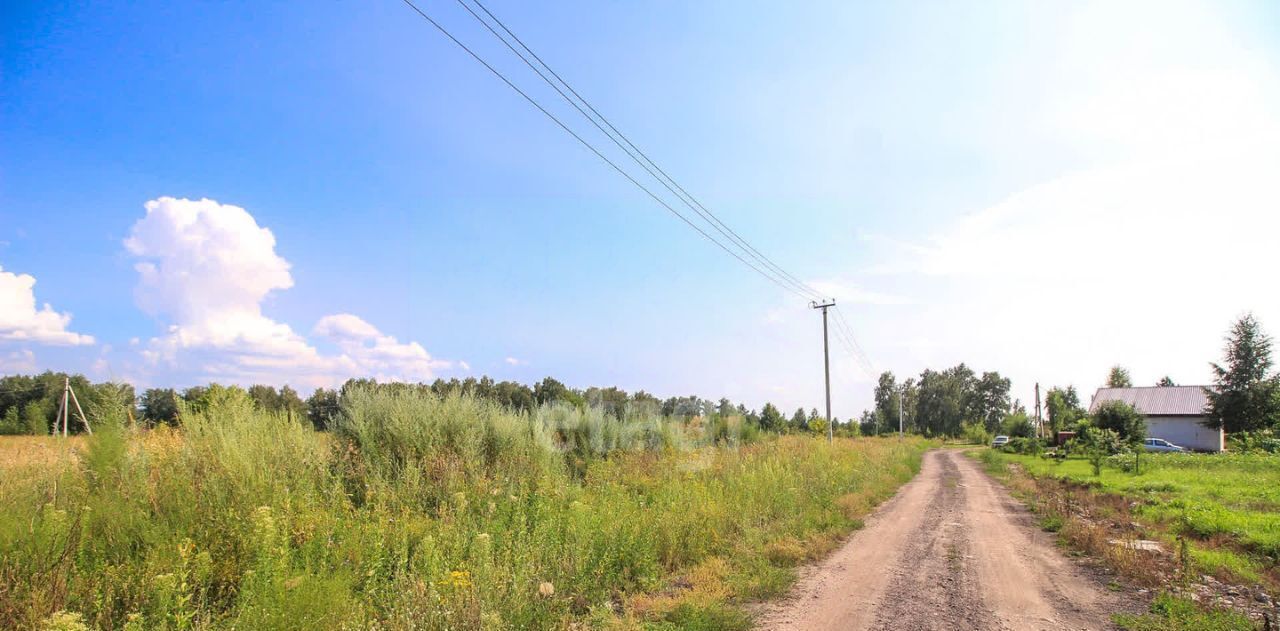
point(28, 404)
point(941, 403)
point(1245, 397)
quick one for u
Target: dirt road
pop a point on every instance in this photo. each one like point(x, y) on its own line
point(952, 550)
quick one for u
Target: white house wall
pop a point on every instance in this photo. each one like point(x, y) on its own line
point(1185, 431)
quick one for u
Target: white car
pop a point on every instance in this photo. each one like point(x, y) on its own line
point(1000, 441)
point(1160, 444)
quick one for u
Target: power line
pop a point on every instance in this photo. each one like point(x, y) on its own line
point(763, 265)
point(639, 156)
point(845, 331)
point(593, 149)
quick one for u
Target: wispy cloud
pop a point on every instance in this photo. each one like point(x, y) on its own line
point(17, 362)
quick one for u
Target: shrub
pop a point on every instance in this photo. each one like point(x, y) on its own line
point(1104, 440)
point(1023, 445)
point(1123, 419)
point(975, 433)
point(11, 423)
point(1263, 441)
point(1097, 445)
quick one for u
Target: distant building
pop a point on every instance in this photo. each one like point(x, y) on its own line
point(1174, 413)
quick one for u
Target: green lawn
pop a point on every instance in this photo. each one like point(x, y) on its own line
point(1227, 505)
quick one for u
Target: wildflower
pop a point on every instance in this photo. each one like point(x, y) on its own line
point(546, 589)
point(457, 579)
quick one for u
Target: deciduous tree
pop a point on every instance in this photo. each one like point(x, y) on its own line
point(886, 397)
point(991, 400)
point(323, 408)
point(1123, 419)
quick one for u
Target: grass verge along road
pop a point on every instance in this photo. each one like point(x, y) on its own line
point(1215, 520)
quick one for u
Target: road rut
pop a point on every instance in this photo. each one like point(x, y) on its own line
point(952, 550)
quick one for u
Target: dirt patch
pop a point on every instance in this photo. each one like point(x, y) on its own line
point(952, 550)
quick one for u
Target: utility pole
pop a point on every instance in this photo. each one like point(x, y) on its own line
point(64, 410)
point(826, 361)
point(1039, 424)
point(899, 414)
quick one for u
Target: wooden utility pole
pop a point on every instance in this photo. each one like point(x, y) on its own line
point(899, 413)
point(1039, 423)
point(826, 361)
point(64, 411)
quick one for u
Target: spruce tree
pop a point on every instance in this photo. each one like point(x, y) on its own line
point(1246, 394)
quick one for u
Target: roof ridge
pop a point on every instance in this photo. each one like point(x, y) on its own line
point(1147, 387)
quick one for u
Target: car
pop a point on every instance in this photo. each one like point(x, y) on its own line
point(1161, 445)
point(1000, 441)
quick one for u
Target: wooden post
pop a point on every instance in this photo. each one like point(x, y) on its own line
point(83, 418)
point(1039, 423)
point(66, 388)
point(62, 404)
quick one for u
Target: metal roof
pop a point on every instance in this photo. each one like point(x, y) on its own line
point(1156, 400)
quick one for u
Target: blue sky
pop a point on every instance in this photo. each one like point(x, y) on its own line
point(1042, 189)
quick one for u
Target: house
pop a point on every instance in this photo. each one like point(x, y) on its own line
point(1174, 413)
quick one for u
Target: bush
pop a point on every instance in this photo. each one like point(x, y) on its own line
point(1123, 419)
point(1105, 440)
point(1025, 446)
point(1097, 445)
point(30, 420)
point(1264, 441)
point(10, 423)
point(976, 433)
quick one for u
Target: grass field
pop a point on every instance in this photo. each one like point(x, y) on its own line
point(1216, 514)
point(422, 513)
point(1226, 505)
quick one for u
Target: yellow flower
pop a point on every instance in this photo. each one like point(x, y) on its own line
point(457, 579)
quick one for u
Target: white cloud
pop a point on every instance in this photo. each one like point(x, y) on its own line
point(207, 268)
point(204, 261)
point(21, 321)
point(374, 354)
point(18, 362)
point(512, 361)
